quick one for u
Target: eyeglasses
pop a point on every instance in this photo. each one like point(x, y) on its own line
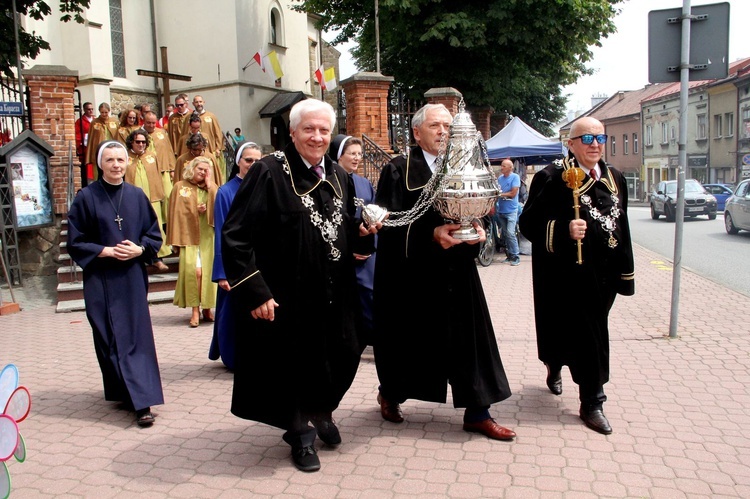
point(354, 154)
point(587, 138)
point(181, 105)
point(140, 141)
point(250, 160)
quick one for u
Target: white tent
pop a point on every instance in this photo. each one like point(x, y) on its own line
point(518, 139)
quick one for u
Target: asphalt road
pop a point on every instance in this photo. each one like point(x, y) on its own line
point(706, 247)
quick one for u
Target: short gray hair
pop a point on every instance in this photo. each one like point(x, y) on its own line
point(310, 106)
point(421, 113)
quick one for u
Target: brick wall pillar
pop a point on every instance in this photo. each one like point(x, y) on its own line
point(444, 95)
point(481, 117)
point(52, 118)
point(367, 106)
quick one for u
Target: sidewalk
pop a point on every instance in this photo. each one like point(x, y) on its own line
point(679, 409)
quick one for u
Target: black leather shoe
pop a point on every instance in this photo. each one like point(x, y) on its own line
point(327, 431)
point(391, 411)
point(306, 458)
point(596, 421)
point(554, 380)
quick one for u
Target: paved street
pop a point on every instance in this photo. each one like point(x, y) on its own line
point(679, 408)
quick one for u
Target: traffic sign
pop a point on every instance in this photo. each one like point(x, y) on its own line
point(709, 43)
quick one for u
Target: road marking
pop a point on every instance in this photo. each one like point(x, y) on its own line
point(660, 265)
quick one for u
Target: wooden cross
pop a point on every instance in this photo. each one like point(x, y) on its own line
point(165, 76)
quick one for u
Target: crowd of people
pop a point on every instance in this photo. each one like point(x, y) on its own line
point(301, 283)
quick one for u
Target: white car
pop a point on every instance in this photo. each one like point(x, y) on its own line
point(737, 209)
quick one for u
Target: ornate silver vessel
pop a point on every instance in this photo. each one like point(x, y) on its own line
point(469, 189)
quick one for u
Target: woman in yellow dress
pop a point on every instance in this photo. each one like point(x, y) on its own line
point(191, 228)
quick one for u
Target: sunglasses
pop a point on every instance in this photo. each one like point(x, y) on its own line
point(587, 139)
point(139, 141)
point(180, 105)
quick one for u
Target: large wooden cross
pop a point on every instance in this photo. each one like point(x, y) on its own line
point(165, 76)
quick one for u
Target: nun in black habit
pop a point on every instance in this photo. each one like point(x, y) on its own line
point(113, 233)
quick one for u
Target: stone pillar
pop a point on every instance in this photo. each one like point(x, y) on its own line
point(51, 90)
point(367, 106)
point(444, 95)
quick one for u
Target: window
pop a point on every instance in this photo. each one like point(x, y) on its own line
point(746, 123)
point(729, 124)
point(649, 135)
point(625, 143)
point(700, 132)
point(717, 126)
point(117, 40)
point(664, 133)
point(635, 143)
point(672, 135)
point(277, 27)
point(613, 147)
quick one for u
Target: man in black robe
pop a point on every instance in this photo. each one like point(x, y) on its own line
point(446, 334)
point(287, 246)
point(572, 298)
point(113, 233)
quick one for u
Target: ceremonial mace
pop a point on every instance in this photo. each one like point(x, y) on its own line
point(573, 177)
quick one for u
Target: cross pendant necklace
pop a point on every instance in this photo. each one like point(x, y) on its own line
point(118, 218)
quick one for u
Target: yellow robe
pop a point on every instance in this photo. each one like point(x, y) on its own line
point(193, 233)
point(100, 131)
point(143, 172)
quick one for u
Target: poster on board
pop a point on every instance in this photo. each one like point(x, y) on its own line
point(29, 174)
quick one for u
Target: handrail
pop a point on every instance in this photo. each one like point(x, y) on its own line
point(373, 159)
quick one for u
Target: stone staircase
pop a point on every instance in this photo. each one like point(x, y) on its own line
point(161, 285)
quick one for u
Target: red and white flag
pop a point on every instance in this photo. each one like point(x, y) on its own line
point(259, 59)
point(319, 75)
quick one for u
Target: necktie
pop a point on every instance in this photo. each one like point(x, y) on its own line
point(318, 170)
point(592, 173)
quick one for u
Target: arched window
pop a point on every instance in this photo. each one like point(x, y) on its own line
point(277, 31)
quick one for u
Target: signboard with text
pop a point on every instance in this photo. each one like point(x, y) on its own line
point(11, 108)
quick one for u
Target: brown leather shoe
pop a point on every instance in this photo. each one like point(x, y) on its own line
point(390, 411)
point(161, 266)
point(491, 429)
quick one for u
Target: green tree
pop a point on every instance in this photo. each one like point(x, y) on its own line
point(30, 44)
point(513, 55)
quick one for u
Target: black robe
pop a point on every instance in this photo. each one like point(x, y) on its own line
point(432, 325)
point(567, 333)
point(304, 360)
point(115, 292)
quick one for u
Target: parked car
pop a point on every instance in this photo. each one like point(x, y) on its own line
point(697, 200)
point(737, 210)
point(721, 192)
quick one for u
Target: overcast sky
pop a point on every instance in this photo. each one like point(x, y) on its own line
point(622, 61)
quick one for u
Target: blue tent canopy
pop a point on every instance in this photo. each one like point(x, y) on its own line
point(518, 140)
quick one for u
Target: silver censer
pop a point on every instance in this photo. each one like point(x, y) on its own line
point(469, 189)
point(462, 189)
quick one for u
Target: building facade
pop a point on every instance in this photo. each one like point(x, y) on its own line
point(212, 43)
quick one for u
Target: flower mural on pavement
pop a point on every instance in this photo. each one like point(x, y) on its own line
point(16, 403)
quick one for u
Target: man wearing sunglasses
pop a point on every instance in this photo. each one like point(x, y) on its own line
point(178, 121)
point(572, 296)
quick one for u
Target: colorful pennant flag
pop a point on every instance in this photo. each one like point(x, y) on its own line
point(273, 60)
